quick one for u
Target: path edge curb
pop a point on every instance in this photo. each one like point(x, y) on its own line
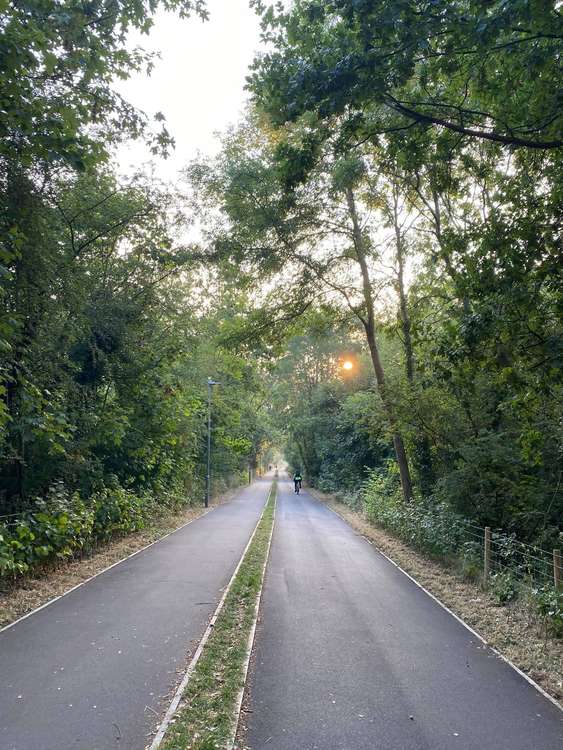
point(118, 562)
point(104, 570)
point(177, 697)
point(251, 635)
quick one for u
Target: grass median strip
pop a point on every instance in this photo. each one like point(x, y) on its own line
point(206, 716)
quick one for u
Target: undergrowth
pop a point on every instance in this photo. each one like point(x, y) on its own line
point(64, 525)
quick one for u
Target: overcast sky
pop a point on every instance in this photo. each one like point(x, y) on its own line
point(198, 82)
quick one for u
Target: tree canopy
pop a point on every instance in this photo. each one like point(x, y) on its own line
point(392, 195)
point(487, 70)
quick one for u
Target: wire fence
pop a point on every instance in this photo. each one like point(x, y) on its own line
point(498, 558)
point(522, 561)
point(497, 552)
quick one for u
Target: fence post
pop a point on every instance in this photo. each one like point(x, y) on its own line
point(557, 568)
point(487, 555)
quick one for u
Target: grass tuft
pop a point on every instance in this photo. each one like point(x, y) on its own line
point(206, 716)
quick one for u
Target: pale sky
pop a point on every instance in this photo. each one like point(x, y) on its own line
point(197, 84)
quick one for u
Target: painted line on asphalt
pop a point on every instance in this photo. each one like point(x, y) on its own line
point(168, 716)
point(483, 640)
point(250, 643)
point(109, 567)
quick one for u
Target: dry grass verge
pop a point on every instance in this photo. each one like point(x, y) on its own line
point(511, 629)
point(19, 597)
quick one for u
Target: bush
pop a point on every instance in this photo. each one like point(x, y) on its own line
point(503, 586)
point(429, 525)
point(471, 560)
point(435, 529)
point(63, 524)
point(549, 605)
point(117, 511)
point(57, 527)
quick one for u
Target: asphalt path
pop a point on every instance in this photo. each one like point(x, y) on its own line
point(351, 655)
point(93, 669)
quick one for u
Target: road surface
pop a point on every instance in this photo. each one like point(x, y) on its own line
point(91, 670)
point(351, 655)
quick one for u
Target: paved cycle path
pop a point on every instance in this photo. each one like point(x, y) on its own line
point(91, 670)
point(351, 655)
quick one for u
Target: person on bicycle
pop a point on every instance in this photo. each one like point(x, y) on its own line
point(297, 479)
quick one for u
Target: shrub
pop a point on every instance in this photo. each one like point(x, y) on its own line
point(470, 560)
point(503, 586)
point(57, 527)
point(117, 511)
point(429, 525)
point(62, 524)
point(549, 605)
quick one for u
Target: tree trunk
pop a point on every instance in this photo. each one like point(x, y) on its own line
point(369, 326)
point(403, 309)
point(422, 458)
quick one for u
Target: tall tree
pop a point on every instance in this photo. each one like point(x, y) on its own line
point(311, 233)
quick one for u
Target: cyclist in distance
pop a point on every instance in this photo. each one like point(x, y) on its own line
point(297, 479)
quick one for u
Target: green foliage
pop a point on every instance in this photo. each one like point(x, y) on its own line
point(420, 109)
point(471, 559)
point(503, 586)
point(105, 349)
point(432, 527)
point(106, 341)
point(62, 524)
point(117, 511)
point(105, 372)
point(330, 425)
point(488, 71)
point(347, 173)
point(58, 59)
point(549, 605)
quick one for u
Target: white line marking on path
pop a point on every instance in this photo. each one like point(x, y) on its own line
point(505, 659)
point(250, 643)
point(109, 567)
point(157, 741)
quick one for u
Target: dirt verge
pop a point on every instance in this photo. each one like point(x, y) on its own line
point(31, 591)
point(511, 629)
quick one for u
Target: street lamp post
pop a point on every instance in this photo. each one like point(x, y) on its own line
point(210, 384)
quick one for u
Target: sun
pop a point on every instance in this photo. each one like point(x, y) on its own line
point(347, 365)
